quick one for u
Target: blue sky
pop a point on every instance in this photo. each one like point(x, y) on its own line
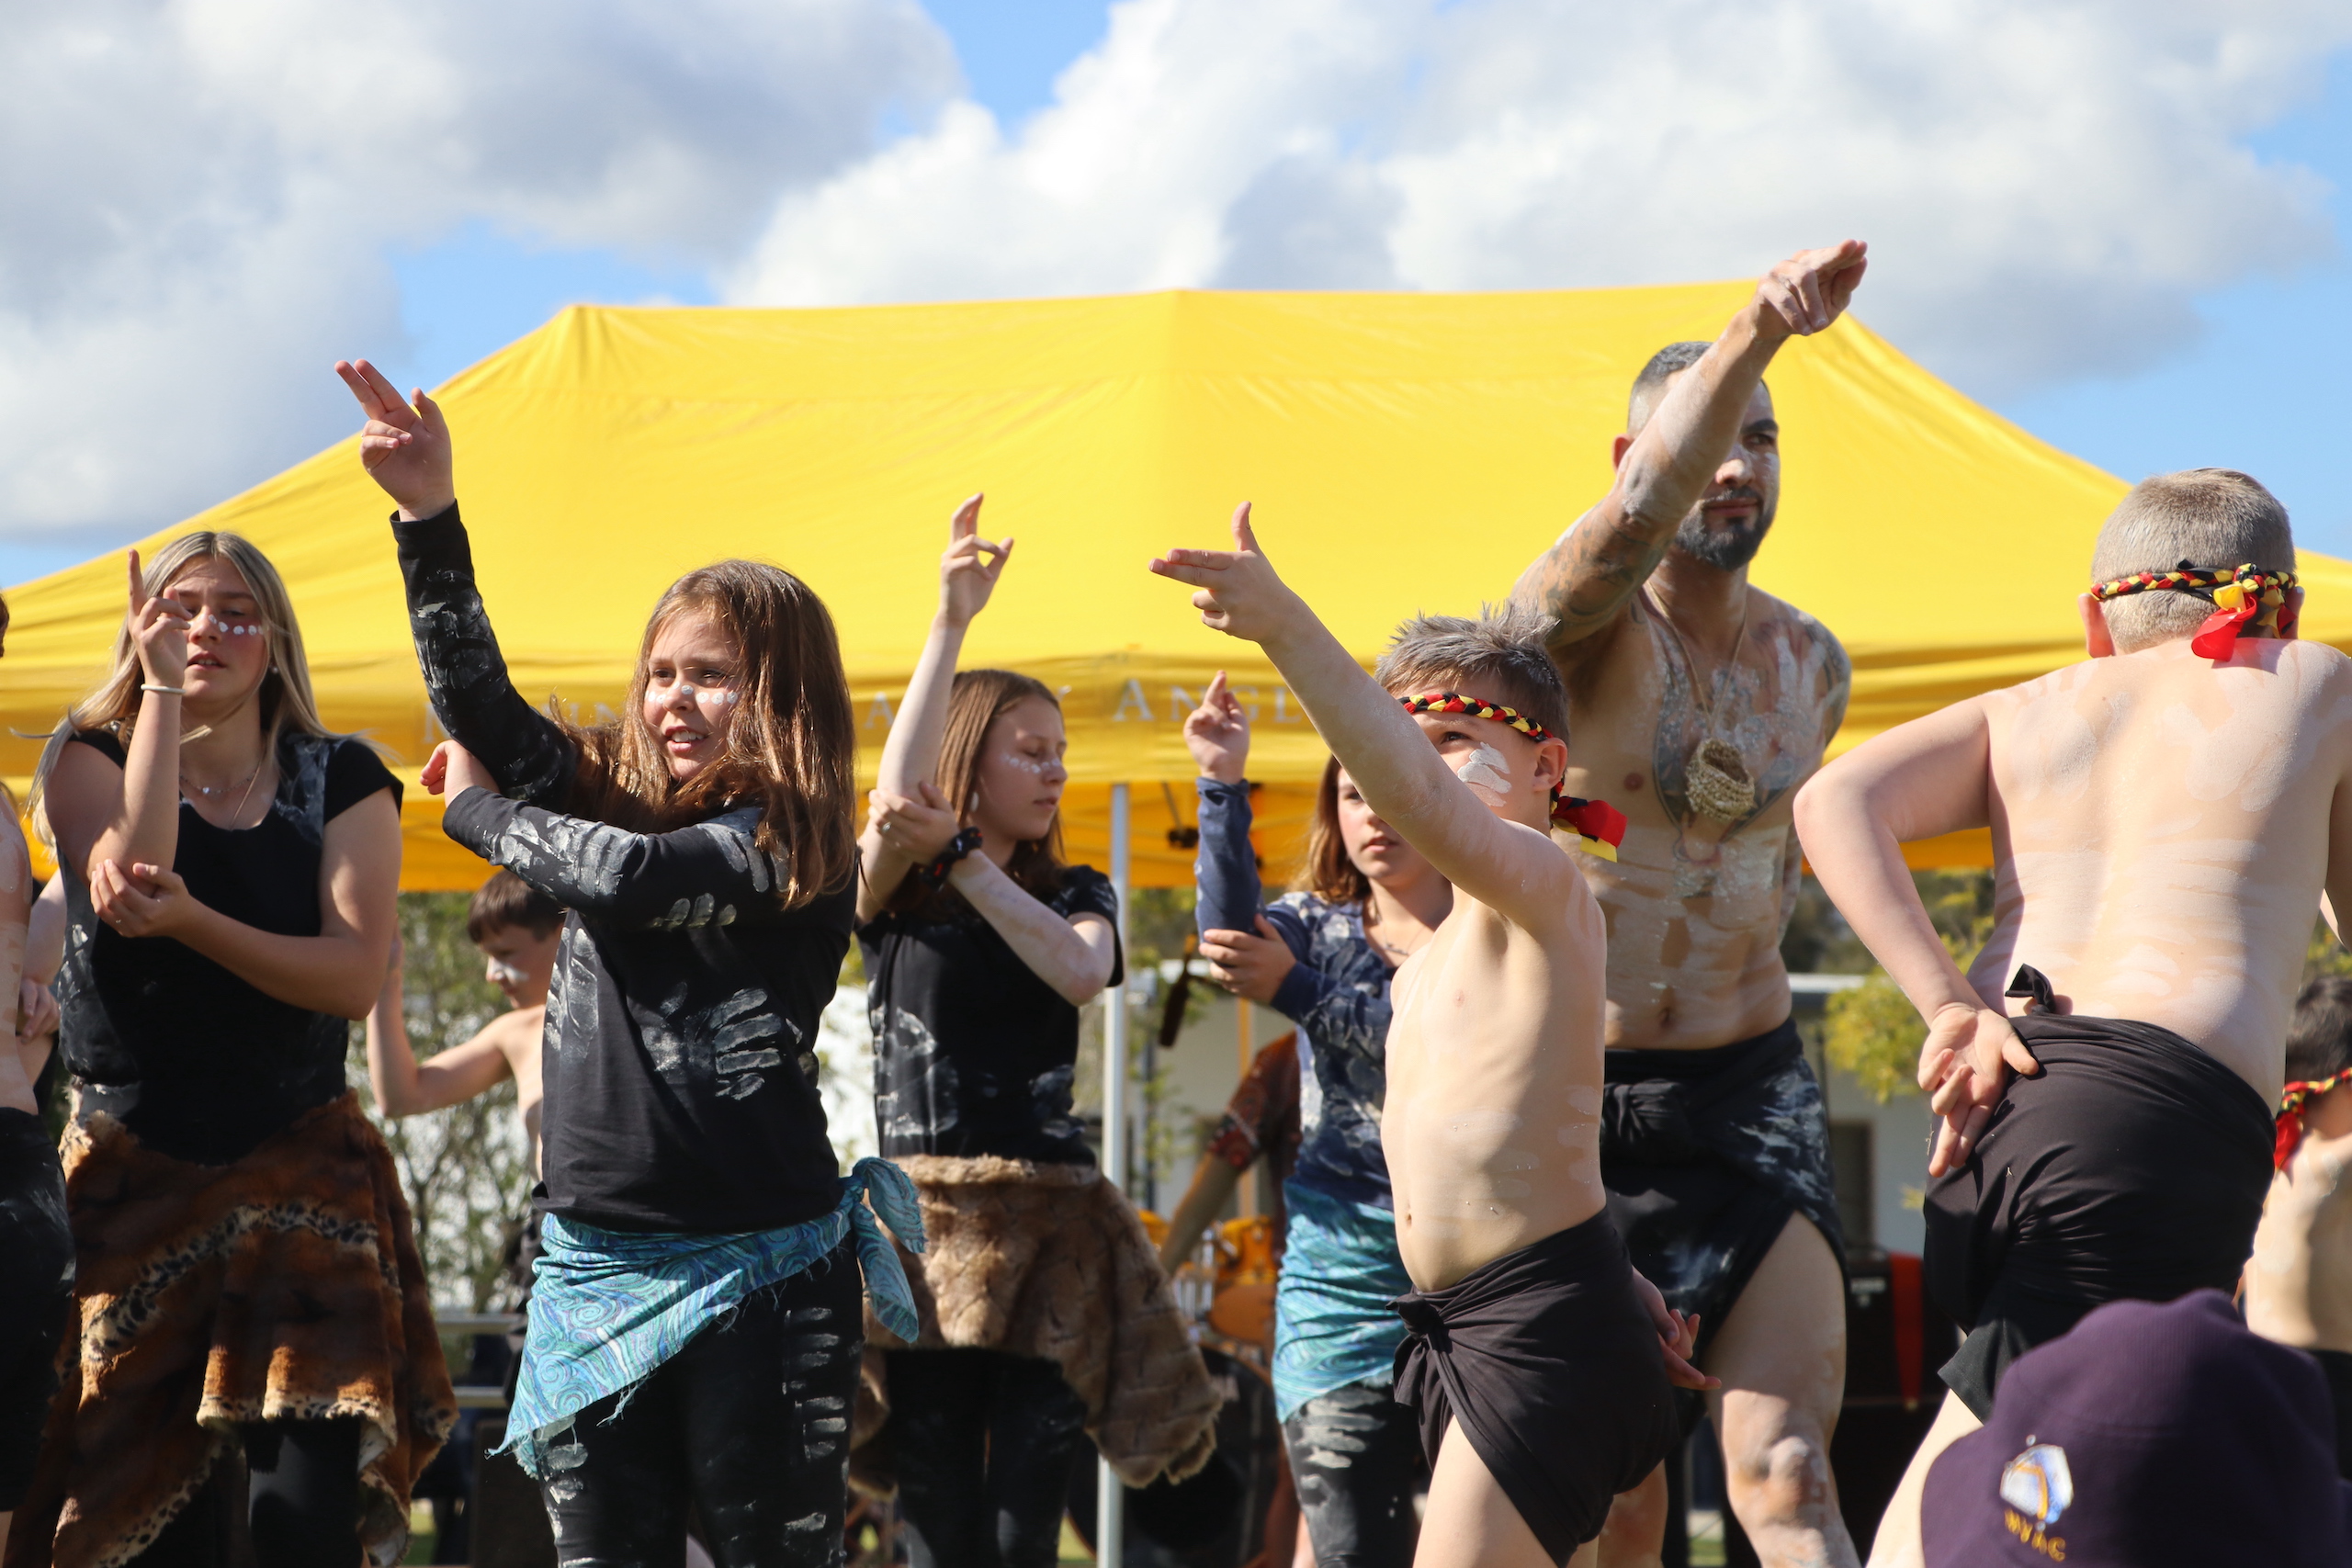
point(2257, 389)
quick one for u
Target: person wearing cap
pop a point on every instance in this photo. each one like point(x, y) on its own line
point(2148, 1437)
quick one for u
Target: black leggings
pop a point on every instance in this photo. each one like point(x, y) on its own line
point(983, 1443)
point(1355, 1457)
point(749, 1423)
point(303, 1502)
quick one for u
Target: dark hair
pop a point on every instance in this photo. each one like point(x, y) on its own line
point(977, 700)
point(2319, 1040)
point(791, 750)
point(1674, 358)
point(1330, 875)
point(1499, 655)
point(507, 900)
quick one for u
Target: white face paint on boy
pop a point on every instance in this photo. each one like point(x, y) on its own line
point(1487, 768)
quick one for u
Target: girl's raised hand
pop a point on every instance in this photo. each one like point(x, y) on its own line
point(1217, 734)
point(968, 572)
point(404, 447)
point(452, 770)
point(159, 627)
point(920, 828)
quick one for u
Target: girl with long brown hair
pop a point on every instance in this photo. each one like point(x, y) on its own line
point(1323, 957)
point(695, 1329)
point(980, 946)
point(246, 1262)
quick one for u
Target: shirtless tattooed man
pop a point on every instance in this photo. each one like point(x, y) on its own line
point(1537, 1363)
point(1700, 703)
point(2165, 818)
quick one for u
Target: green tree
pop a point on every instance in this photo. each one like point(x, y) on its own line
point(1872, 1031)
point(467, 1169)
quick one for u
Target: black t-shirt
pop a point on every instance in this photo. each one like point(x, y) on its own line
point(974, 1054)
point(680, 1050)
point(199, 1064)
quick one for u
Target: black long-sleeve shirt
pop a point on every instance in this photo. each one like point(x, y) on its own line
point(679, 1056)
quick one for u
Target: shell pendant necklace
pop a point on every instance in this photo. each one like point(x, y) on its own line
point(1716, 778)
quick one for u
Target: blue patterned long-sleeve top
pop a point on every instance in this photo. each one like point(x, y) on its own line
point(1337, 993)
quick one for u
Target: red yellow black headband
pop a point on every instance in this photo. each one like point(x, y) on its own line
point(1599, 826)
point(2248, 600)
point(2292, 1103)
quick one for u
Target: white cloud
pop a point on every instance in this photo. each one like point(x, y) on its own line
point(2046, 187)
point(200, 195)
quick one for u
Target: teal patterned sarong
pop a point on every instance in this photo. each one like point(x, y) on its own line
point(608, 1307)
point(1333, 1323)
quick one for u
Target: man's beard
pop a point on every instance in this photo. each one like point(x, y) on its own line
point(1725, 549)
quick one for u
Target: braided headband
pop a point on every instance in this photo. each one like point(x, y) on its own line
point(2248, 600)
point(1599, 826)
point(2292, 1105)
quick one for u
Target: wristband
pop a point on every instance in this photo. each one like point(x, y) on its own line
point(167, 691)
point(962, 844)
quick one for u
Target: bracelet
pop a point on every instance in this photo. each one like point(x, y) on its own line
point(962, 844)
point(167, 691)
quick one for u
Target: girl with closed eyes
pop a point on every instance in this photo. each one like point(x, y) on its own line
point(1045, 1314)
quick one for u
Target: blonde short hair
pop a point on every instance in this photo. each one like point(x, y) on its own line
point(2209, 517)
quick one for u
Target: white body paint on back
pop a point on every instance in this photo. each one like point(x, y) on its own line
point(2167, 829)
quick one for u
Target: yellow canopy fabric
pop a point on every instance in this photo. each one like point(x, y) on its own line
point(1405, 452)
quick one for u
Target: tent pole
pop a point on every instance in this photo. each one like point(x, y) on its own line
point(1110, 1498)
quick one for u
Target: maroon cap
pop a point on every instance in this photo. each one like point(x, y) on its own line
point(2149, 1436)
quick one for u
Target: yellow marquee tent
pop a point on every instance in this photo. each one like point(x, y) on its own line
point(1405, 452)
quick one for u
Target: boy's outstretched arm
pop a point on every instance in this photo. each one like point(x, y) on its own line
point(1400, 773)
point(1917, 781)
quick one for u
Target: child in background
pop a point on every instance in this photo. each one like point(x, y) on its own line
point(518, 930)
point(1322, 956)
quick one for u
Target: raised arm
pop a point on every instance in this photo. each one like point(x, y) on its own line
point(1586, 579)
point(405, 448)
point(143, 826)
point(967, 574)
point(1917, 781)
point(711, 872)
point(1391, 760)
point(402, 1085)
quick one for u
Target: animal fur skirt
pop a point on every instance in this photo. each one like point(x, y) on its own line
point(286, 1286)
point(1049, 1261)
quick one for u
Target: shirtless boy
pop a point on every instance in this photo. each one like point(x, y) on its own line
point(1700, 705)
point(2164, 819)
point(518, 930)
point(1538, 1361)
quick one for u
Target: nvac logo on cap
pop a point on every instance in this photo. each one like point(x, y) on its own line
point(2037, 1488)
